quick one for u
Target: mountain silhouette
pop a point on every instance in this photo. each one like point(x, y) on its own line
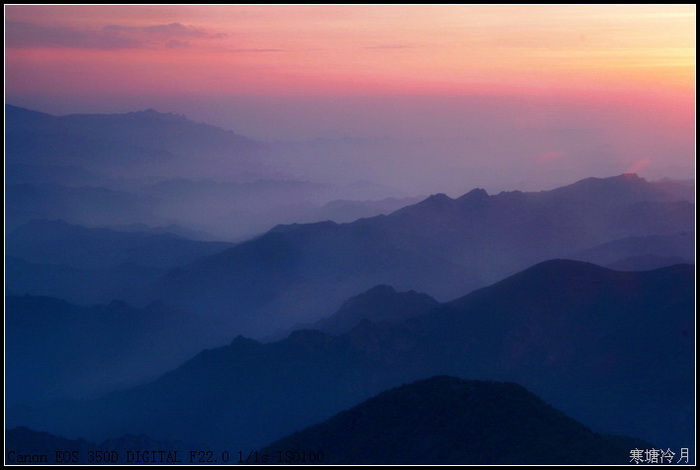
point(677, 245)
point(450, 421)
point(130, 144)
point(94, 265)
point(90, 205)
point(58, 349)
point(646, 263)
point(379, 304)
point(77, 285)
point(157, 168)
point(440, 245)
point(573, 333)
point(58, 242)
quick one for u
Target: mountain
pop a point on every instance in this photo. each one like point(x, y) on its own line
point(677, 245)
point(94, 265)
point(680, 189)
point(646, 263)
point(79, 286)
point(244, 392)
point(91, 205)
point(277, 278)
point(379, 304)
point(55, 349)
point(613, 350)
point(440, 245)
point(450, 421)
point(348, 211)
point(58, 242)
point(133, 144)
point(162, 169)
point(573, 333)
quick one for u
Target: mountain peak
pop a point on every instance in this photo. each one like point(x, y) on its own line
point(381, 303)
point(439, 197)
point(432, 203)
point(151, 113)
point(615, 190)
point(381, 289)
point(241, 341)
point(476, 194)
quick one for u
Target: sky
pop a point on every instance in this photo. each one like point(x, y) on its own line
point(447, 73)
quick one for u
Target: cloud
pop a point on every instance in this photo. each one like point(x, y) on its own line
point(170, 31)
point(174, 43)
point(28, 35)
point(110, 37)
point(174, 30)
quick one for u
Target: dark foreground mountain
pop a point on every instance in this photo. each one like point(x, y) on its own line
point(297, 273)
point(613, 350)
point(447, 420)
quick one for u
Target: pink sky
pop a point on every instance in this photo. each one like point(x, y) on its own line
point(297, 72)
point(350, 49)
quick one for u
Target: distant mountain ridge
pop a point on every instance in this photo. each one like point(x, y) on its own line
point(440, 245)
point(94, 265)
point(381, 303)
point(674, 245)
point(161, 169)
point(58, 242)
point(137, 142)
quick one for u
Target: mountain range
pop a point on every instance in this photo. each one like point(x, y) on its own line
point(573, 333)
point(441, 246)
point(440, 420)
point(139, 244)
point(161, 169)
point(58, 349)
point(133, 144)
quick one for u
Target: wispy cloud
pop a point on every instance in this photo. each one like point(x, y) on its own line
point(110, 37)
point(28, 35)
point(175, 43)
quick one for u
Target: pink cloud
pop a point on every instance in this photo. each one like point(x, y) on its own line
point(111, 37)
